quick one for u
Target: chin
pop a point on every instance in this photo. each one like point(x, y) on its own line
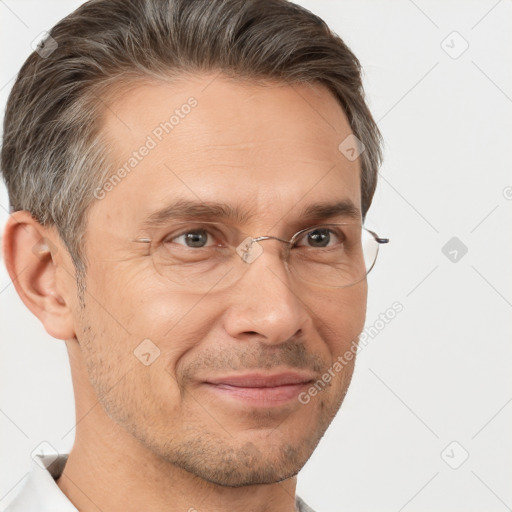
point(236, 477)
point(248, 465)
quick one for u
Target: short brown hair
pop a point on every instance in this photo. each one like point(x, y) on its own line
point(53, 154)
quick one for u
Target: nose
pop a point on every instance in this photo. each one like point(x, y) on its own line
point(265, 303)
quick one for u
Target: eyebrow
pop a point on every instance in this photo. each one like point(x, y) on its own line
point(211, 210)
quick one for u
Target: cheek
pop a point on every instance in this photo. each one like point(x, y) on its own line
point(176, 324)
point(140, 304)
point(341, 318)
point(136, 311)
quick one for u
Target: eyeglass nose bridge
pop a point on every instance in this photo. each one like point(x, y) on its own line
point(249, 251)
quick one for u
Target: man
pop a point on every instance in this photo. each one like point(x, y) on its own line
point(188, 182)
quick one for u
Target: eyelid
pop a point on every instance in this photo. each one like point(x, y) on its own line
point(330, 227)
point(213, 229)
point(324, 225)
point(243, 233)
point(181, 232)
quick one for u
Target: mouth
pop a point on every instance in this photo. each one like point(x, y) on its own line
point(260, 389)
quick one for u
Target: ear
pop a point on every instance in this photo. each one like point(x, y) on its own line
point(41, 273)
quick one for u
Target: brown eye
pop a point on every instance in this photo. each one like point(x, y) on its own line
point(320, 238)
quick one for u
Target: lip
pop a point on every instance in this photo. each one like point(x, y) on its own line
point(262, 380)
point(261, 389)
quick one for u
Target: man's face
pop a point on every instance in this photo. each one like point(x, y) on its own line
point(269, 151)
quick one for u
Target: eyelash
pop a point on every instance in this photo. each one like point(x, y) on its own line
point(210, 232)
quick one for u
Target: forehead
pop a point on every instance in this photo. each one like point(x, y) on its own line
point(271, 149)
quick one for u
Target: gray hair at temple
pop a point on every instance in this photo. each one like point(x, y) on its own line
point(53, 156)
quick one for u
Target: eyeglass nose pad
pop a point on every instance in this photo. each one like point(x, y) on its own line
point(249, 250)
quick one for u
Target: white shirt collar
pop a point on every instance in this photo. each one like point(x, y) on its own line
point(40, 492)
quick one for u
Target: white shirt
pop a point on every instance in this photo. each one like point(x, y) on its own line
point(40, 492)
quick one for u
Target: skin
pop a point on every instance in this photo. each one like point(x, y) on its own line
point(155, 437)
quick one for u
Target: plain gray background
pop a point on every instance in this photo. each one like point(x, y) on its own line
point(426, 423)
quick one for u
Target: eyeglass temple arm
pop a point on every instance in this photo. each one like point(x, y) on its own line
point(378, 239)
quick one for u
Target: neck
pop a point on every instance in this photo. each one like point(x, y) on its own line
point(99, 475)
point(109, 470)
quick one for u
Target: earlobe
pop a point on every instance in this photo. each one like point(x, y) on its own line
point(37, 269)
